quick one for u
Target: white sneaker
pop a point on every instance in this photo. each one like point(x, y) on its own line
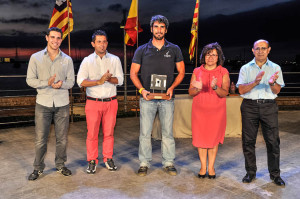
point(92, 167)
point(110, 165)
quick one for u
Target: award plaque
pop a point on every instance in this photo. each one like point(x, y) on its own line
point(158, 83)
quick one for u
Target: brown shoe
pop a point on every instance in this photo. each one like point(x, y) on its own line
point(171, 170)
point(142, 171)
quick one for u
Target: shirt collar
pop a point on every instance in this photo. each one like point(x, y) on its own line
point(166, 44)
point(105, 56)
point(254, 63)
point(45, 51)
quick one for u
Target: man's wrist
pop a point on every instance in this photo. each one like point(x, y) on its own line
point(255, 83)
point(171, 87)
point(141, 90)
point(99, 82)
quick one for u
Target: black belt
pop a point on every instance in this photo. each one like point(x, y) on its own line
point(102, 100)
point(260, 101)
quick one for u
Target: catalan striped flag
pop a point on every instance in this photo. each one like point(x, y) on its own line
point(60, 17)
point(194, 31)
point(130, 26)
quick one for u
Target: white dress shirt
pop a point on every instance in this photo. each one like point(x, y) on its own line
point(93, 68)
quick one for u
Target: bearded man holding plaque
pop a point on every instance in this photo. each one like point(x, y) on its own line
point(157, 60)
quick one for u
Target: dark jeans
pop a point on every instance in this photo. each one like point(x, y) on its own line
point(43, 119)
point(254, 113)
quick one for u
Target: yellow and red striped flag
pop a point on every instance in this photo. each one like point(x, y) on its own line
point(130, 26)
point(194, 31)
point(60, 17)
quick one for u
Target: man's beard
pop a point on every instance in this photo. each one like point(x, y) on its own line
point(159, 38)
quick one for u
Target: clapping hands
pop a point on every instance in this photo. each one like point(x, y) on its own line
point(197, 84)
point(259, 77)
point(105, 77)
point(55, 85)
point(273, 78)
point(214, 82)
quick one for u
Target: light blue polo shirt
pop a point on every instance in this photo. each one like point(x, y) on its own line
point(263, 90)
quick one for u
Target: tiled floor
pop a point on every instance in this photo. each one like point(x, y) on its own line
point(17, 155)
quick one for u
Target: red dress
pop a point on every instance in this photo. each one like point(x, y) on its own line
point(208, 110)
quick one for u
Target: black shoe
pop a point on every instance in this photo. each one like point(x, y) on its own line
point(64, 171)
point(171, 170)
point(201, 176)
point(212, 176)
point(35, 174)
point(110, 165)
point(277, 180)
point(92, 167)
point(248, 178)
point(142, 171)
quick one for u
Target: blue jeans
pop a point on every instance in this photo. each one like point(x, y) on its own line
point(148, 111)
point(43, 119)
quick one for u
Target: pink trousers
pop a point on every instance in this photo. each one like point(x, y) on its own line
point(97, 111)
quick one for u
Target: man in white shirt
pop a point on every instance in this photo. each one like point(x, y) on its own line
point(100, 73)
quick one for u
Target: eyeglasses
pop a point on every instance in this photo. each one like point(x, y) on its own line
point(261, 49)
point(211, 55)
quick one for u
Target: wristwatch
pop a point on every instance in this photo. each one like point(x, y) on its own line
point(215, 87)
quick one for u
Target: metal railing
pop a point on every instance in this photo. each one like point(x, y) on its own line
point(291, 89)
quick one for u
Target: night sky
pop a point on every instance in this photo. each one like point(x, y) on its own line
point(31, 16)
point(235, 24)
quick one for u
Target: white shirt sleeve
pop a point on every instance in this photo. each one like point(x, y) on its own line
point(242, 77)
point(82, 72)
point(119, 72)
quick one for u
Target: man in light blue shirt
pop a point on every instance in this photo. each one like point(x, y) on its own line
point(259, 82)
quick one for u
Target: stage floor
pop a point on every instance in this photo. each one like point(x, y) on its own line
point(17, 155)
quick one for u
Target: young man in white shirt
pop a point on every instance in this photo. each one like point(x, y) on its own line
point(100, 73)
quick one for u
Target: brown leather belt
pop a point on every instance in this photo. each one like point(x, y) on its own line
point(102, 100)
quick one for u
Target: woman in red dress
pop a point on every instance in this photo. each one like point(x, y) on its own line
point(209, 86)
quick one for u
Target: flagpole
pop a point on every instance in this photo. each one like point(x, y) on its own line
point(137, 23)
point(125, 64)
point(125, 74)
point(69, 46)
point(137, 45)
point(196, 61)
point(69, 39)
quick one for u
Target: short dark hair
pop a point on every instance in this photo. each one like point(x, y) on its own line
point(100, 33)
point(260, 41)
point(56, 29)
point(208, 48)
point(160, 19)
